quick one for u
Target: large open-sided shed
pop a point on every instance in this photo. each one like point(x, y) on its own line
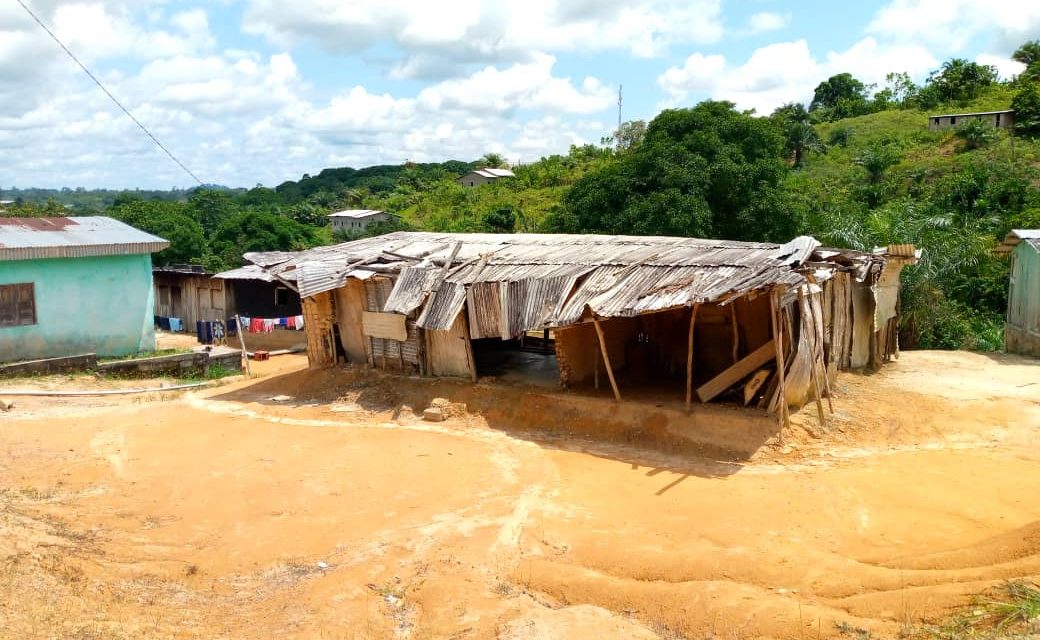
point(675, 317)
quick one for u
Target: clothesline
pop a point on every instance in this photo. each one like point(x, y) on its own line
point(267, 325)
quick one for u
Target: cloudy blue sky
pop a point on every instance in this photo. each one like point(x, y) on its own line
point(261, 91)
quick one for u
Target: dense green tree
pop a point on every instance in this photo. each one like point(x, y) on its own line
point(25, 209)
point(257, 231)
point(899, 92)
point(629, 136)
point(1026, 104)
point(210, 208)
point(709, 171)
point(957, 80)
point(260, 196)
point(500, 219)
point(1029, 55)
point(840, 96)
point(168, 220)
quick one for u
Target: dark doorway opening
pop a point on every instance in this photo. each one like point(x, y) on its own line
point(530, 359)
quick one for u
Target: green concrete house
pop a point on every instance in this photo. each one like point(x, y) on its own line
point(75, 285)
point(1022, 333)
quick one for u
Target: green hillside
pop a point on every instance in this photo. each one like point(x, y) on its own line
point(856, 168)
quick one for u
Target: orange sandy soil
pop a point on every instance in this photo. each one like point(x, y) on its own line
point(225, 513)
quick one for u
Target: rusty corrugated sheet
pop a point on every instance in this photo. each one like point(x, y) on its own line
point(411, 288)
point(443, 306)
point(529, 304)
point(484, 305)
point(519, 282)
point(79, 237)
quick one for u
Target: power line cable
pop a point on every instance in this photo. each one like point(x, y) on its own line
point(109, 93)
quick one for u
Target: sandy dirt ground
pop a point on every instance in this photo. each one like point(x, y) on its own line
point(302, 506)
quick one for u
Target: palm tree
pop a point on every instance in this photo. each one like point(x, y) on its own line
point(976, 134)
point(493, 160)
point(802, 139)
point(876, 159)
point(1029, 55)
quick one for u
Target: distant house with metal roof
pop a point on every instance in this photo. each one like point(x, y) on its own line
point(1022, 332)
point(75, 285)
point(357, 220)
point(997, 119)
point(478, 177)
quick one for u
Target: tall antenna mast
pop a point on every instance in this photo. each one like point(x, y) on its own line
point(618, 132)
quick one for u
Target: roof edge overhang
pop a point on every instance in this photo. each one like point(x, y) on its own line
point(81, 251)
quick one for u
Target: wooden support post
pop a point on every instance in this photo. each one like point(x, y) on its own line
point(778, 341)
point(469, 347)
point(606, 358)
point(736, 334)
point(242, 343)
point(424, 348)
point(826, 373)
point(814, 371)
point(689, 357)
point(595, 369)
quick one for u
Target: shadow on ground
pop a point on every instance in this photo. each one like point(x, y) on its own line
point(711, 441)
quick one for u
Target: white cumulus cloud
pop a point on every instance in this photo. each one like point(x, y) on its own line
point(444, 39)
point(768, 21)
point(948, 25)
point(786, 72)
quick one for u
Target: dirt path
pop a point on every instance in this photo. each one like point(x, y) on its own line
point(216, 515)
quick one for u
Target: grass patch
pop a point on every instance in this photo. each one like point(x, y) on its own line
point(216, 372)
point(145, 354)
point(1012, 612)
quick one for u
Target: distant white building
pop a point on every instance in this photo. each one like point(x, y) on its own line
point(357, 219)
point(998, 119)
point(478, 177)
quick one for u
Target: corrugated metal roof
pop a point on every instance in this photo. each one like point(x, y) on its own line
point(489, 172)
point(1034, 242)
point(1014, 237)
point(186, 269)
point(34, 238)
point(543, 279)
point(248, 272)
point(356, 213)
